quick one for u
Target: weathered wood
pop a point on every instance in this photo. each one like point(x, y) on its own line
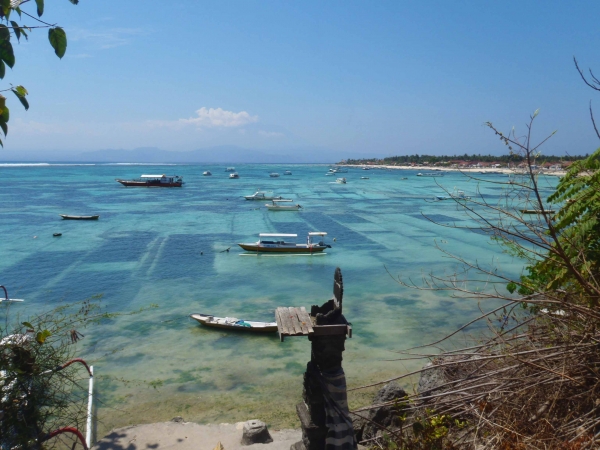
point(279, 324)
point(295, 322)
point(284, 315)
point(331, 330)
point(305, 320)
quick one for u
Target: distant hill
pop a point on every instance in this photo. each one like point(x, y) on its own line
point(221, 154)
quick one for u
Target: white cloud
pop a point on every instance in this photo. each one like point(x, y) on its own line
point(107, 38)
point(271, 134)
point(218, 117)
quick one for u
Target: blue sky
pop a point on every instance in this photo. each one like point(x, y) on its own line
point(372, 78)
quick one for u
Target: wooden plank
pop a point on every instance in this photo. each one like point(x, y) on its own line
point(284, 328)
point(302, 317)
point(330, 330)
point(279, 324)
point(295, 322)
point(306, 319)
point(288, 328)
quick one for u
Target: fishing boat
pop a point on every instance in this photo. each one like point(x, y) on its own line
point(230, 169)
point(274, 175)
point(234, 175)
point(280, 205)
point(233, 323)
point(68, 217)
point(338, 170)
point(207, 173)
point(287, 172)
point(154, 181)
point(340, 180)
point(364, 178)
point(430, 174)
point(275, 243)
point(262, 195)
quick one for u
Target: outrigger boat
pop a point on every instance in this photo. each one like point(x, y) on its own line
point(232, 323)
point(277, 205)
point(67, 217)
point(154, 181)
point(456, 195)
point(275, 243)
point(262, 195)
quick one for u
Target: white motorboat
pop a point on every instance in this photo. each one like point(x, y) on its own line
point(338, 170)
point(230, 169)
point(287, 172)
point(274, 175)
point(233, 323)
point(234, 175)
point(430, 174)
point(207, 173)
point(328, 174)
point(364, 178)
point(281, 205)
point(262, 195)
point(340, 180)
point(275, 243)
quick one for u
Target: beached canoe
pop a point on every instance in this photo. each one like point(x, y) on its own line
point(232, 323)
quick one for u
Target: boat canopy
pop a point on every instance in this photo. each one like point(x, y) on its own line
point(317, 233)
point(153, 176)
point(277, 235)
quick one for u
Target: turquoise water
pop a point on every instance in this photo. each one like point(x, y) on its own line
point(167, 246)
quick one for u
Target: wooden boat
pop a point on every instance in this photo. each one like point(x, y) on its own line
point(232, 323)
point(230, 169)
point(274, 175)
point(456, 195)
point(154, 181)
point(68, 217)
point(536, 211)
point(287, 172)
point(279, 205)
point(275, 243)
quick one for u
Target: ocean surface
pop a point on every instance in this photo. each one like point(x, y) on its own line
point(169, 247)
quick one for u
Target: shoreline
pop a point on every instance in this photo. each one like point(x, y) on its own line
point(470, 170)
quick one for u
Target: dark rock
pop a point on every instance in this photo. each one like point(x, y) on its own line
point(385, 416)
point(177, 419)
point(430, 379)
point(255, 432)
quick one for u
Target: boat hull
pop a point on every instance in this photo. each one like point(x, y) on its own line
point(256, 327)
point(67, 217)
point(283, 208)
point(275, 249)
point(149, 184)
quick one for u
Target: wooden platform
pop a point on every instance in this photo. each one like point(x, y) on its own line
point(293, 321)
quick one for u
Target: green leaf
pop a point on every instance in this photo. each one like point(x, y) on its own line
point(5, 5)
point(40, 7)
point(41, 336)
point(24, 33)
point(4, 33)
point(18, 10)
point(16, 29)
point(58, 40)
point(5, 114)
point(4, 127)
point(2, 69)
point(75, 2)
point(21, 96)
point(27, 324)
point(6, 53)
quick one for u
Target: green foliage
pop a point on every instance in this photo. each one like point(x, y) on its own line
point(573, 264)
point(58, 40)
point(512, 158)
point(429, 431)
point(56, 36)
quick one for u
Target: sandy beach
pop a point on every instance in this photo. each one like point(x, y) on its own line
point(469, 171)
point(190, 436)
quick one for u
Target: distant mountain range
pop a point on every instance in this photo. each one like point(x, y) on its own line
point(221, 154)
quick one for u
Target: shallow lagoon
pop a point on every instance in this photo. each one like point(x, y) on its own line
point(167, 247)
